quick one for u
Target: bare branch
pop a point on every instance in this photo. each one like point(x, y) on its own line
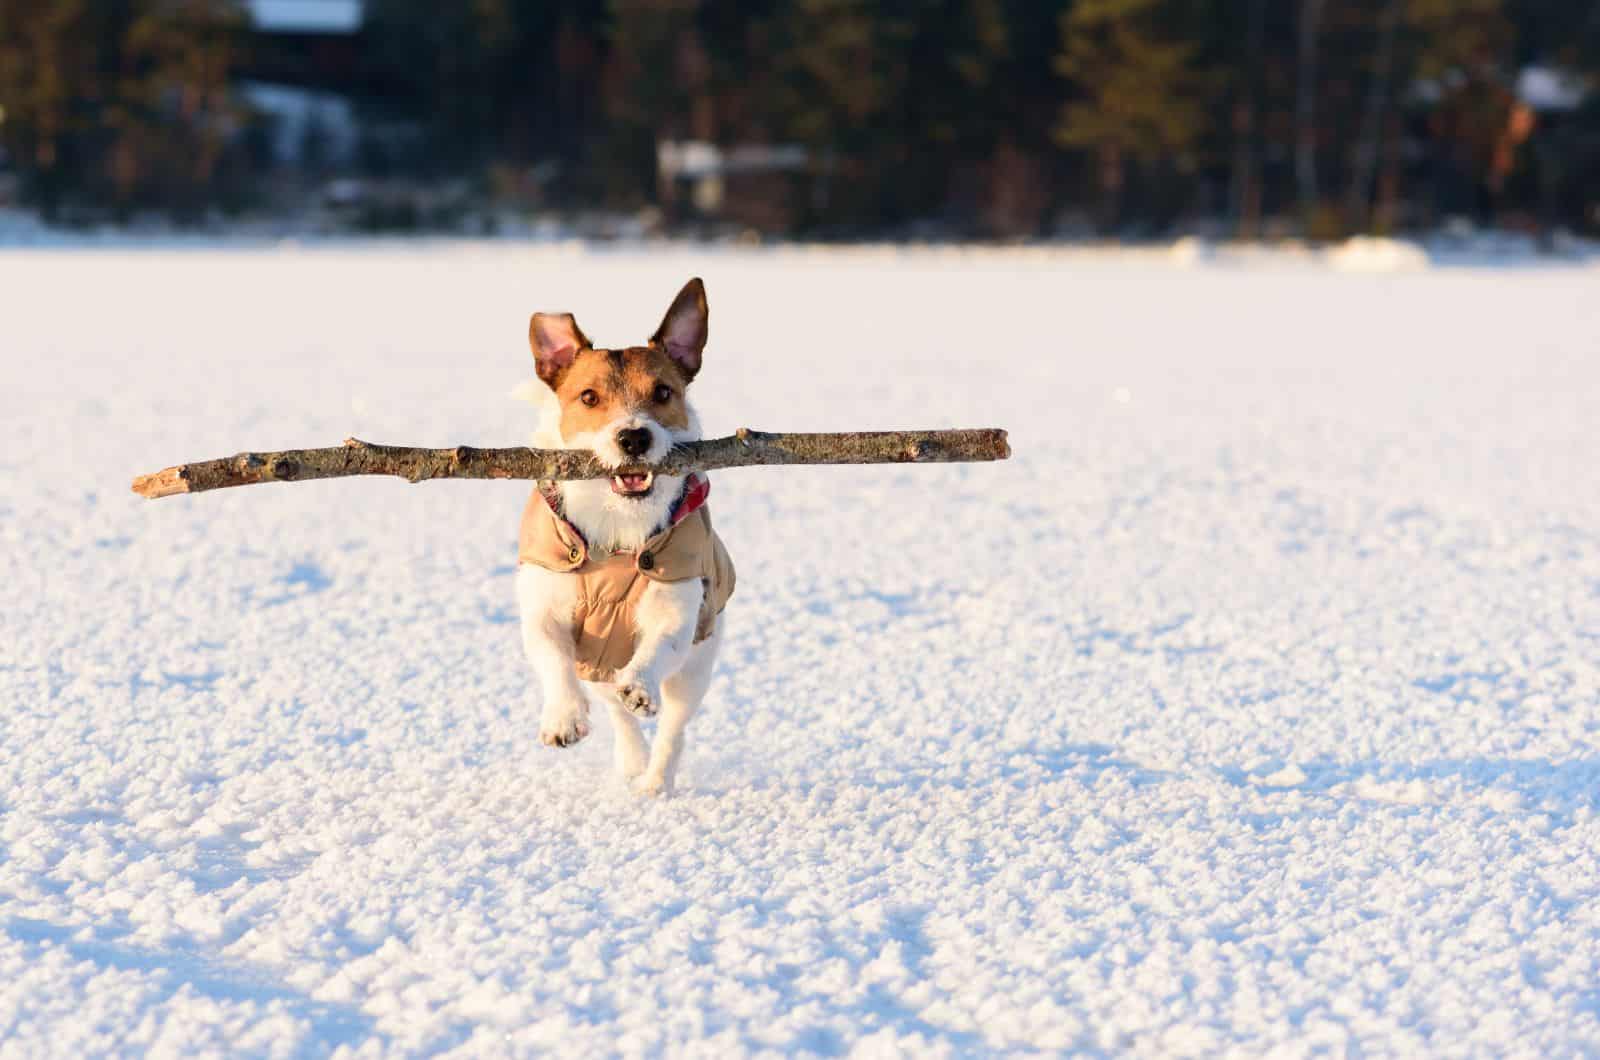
point(746, 448)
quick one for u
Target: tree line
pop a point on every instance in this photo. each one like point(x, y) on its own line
point(986, 118)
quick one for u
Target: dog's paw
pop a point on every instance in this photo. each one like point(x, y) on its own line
point(638, 697)
point(563, 730)
point(651, 786)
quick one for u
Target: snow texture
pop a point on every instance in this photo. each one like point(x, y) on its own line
point(1252, 708)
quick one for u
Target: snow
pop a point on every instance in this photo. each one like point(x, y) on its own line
point(1377, 254)
point(1251, 708)
point(301, 117)
point(306, 16)
point(1550, 88)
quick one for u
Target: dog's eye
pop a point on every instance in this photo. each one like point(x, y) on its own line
point(589, 398)
point(663, 393)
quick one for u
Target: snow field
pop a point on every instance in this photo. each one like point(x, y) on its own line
point(1252, 708)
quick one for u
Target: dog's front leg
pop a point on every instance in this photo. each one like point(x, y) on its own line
point(547, 604)
point(664, 622)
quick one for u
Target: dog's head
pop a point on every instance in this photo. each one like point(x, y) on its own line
point(628, 405)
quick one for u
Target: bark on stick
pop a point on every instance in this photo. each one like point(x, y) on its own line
point(746, 448)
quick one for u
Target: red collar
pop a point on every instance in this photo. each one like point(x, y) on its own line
point(696, 488)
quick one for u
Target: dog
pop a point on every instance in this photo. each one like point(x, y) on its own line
point(622, 582)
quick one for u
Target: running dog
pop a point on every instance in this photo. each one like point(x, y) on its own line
point(622, 581)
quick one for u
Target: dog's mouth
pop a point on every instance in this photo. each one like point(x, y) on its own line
point(633, 485)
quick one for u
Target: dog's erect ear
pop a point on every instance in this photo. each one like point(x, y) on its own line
point(683, 330)
point(556, 340)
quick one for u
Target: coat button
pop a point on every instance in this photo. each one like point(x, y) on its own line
point(575, 555)
point(646, 561)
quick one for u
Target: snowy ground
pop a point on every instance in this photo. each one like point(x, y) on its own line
point(1253, 707)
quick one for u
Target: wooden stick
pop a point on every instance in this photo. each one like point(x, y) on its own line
point(746, 448)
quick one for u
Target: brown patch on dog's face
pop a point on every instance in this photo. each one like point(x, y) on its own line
point(600, 387)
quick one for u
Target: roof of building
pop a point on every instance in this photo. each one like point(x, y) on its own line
point(1551, 88)
point(306, 16)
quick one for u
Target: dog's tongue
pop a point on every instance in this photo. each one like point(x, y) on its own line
point(630, 483)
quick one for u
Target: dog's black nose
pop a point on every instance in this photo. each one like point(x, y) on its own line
point(634, 441)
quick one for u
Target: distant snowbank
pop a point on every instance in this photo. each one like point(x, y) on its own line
point(1377, 254)
point(1454, 249)
point(20, 228)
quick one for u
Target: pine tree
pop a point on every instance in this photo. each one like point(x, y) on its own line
point(1140, 98)
point(656, 87)
point(52, 56)
point(173, 113)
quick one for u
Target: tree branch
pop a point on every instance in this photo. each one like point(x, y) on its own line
point(746, 448)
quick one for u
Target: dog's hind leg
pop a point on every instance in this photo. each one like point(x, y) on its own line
point(681, 696)
point(628, 750)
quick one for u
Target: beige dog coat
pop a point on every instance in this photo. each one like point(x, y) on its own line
point(610, 585)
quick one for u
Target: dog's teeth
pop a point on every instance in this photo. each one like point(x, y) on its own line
point(633, 483)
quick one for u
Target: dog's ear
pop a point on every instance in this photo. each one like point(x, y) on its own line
point(556, 340)
point(682, 333)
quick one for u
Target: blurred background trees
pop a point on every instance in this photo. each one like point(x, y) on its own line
point(129, 104)
point(831, 118)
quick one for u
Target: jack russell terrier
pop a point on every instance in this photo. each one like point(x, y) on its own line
point(622, 581)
